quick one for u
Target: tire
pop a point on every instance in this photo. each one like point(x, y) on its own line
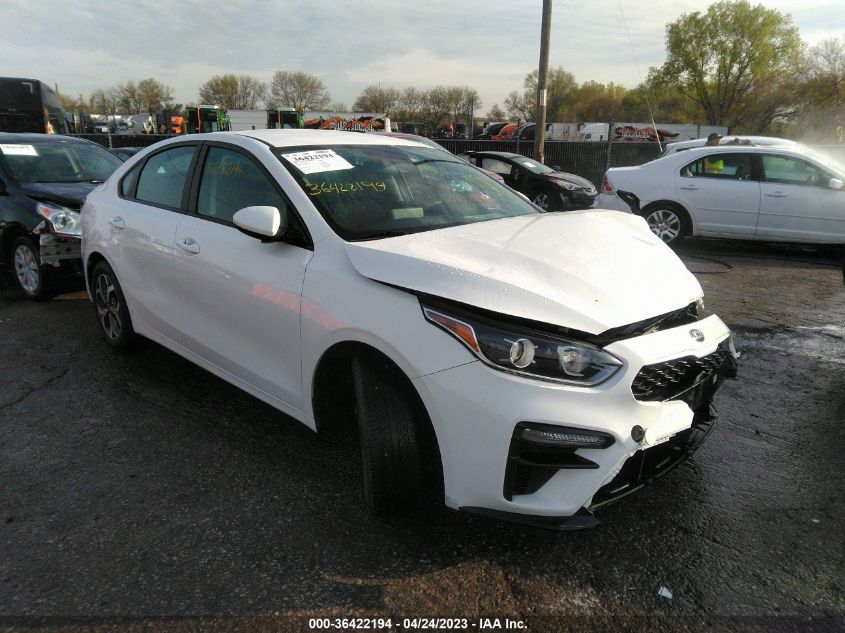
point(389, 441)
point(667, 221)
point(544, 201)
point(111, 309)
point(35, 280)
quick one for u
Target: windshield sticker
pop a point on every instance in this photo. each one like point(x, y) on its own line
point(317, 161)
point(343, 187)
point(17, 150)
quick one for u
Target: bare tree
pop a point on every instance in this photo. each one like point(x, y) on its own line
point(299, 90)
point(374, 98)
point(154, 96)
point(411, 103)
point(495, 113)
point(240, 92)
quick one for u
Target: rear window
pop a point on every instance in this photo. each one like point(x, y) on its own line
point(59, 162)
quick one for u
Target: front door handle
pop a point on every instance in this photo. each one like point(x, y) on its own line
point(777, 194)
point(118, 223)
point(689, 187)
point(188, 245)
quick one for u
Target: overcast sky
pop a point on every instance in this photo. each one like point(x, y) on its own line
point(487, 44)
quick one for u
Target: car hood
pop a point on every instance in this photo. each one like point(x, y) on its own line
point(590, 271)
point(69, 194)
point(581, 182)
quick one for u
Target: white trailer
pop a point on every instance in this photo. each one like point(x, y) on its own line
point(240, 120)
point(644, 132)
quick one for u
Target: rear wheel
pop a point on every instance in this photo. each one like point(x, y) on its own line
point(390, 448)
point(667, 222)
point(37, 281)
point(111, 309)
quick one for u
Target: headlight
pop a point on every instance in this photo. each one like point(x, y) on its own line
point(63, 220)
point(530, 353)
point(569, 186)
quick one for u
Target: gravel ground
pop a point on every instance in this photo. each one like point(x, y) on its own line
point(141, 493)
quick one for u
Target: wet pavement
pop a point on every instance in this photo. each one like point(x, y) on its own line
point(141, 493)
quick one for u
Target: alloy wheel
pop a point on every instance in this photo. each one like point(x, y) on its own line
point(541, 200)
point(665, 224)
point(26, 269)
point(108, 306)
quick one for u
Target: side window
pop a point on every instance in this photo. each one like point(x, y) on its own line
point(721, 166)
point(231, 181)
point(793, 171)
point(127, 184)
point(162, 180)
point(496, 166)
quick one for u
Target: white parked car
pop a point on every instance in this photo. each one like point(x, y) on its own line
point(526, 360)
point(790, 193)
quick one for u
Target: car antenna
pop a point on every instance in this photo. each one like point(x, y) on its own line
point(642, 81)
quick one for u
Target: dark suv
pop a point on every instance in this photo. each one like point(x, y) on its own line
point(44, 180)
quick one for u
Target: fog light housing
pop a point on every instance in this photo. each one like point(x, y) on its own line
point(563, 436)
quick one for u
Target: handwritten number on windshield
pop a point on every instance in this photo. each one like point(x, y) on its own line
point(316, 189)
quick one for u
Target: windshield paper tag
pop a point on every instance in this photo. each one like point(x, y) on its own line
point(317, 161)
point(17, 150)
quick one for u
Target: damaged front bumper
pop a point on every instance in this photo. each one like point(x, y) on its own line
point(566, 451)
point(55, 248)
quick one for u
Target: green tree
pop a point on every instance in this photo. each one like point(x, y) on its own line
point(822, 94)
point(731, 58)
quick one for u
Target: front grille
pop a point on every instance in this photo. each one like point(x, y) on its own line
point(664, 381)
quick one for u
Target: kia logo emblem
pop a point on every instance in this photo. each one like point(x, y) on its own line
point(698, 335)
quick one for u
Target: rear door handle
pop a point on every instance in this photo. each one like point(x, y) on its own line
point(188, 245)
point(118, 223)
point(776, 194)
point(690, 187)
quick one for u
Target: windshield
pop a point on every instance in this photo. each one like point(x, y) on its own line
point(533, 165)
point(372, 191)
point(826, 159)
point(59, 162)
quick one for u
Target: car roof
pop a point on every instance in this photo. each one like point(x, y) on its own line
point(726, 141)
point(295, 138)
point(32, 137)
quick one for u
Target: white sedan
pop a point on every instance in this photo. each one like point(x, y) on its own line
point(522, 362)
point(788, 193)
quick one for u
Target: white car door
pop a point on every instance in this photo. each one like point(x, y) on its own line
point(797, 203)
point(240, 297)
point(153, 199)
point(719, 193)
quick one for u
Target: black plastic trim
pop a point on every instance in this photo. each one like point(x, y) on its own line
point(582, 519)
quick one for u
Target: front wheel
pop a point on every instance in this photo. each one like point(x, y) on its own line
point(37, 281)
point(543, 200)
point(110, 306)
point(666, 222)
point(389, 445)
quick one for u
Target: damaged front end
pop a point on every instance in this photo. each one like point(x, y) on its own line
point(59, 233)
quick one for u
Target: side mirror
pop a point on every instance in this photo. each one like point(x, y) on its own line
point(557, 168)
point(264, 223)
point(836, 184)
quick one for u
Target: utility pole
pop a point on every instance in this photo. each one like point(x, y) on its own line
point(542, 82)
